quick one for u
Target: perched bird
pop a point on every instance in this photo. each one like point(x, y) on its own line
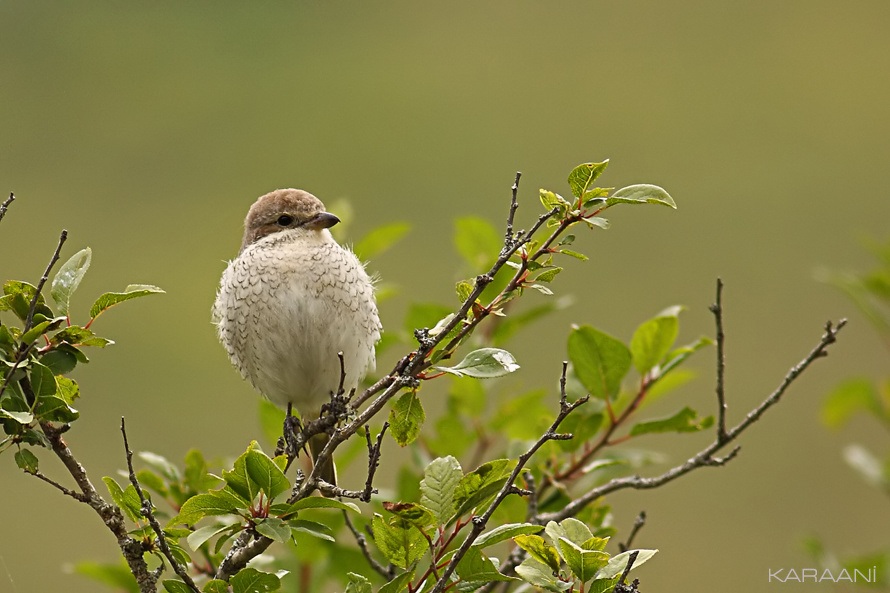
point(290, 302)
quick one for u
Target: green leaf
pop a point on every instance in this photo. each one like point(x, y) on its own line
point(538, 574)
point(851, 396)
point(20, 417)
point(539, 549)
point(653, 339)
point(357, 583)
point(618, 563)
point(642, 193)
point(464, 289)
point(571, 529)
point(275, 529)
point(317, 502)
point(200, 536)
point(27, 461)
point(686, 420)
point(21, 294)
point(474, 568)
point(596, 221)
point(237, 478)
point(204, 505)
point(250, 580)
point(43, 382)
point(481, 484)
point(216, 586)
point(552, 200)
point(584, 564)
point(574, 254)
point(477, 241)
point(398, 584)
point(484, 363)
point(110, 299)
point(604, 585)
point(677, 356)
point(599, 361)
point(68, 278)
point(126, 500)
point(174, 586)
point(440, 479)
point(380, 239)
point(40, 329)
point(416, 514)
point(79, 336)
point(547, 275)
point(406, 417)
point(401, 543)
point(59, 362)
point(319, 530)
point(505, 532)
point(583, 175)
point(265, 474)
point(160, 464)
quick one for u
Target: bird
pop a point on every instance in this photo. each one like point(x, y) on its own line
point(291, 302)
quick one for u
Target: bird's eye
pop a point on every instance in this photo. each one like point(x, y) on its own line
point(285, 220)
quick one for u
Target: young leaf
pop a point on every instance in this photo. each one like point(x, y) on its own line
point(398, 584)
point(642, 193)
point(584, 564)
point(27, 461)
point(68, 278)
point(653, 339)
point(406, 417)
point(484, 363)
point(481, 484)
point(416, 514)
point(174, 586)
point(686, 420)
point(548, 275)
point(357, 583)
point(317, 502)
point(126, 500)
point(43, 382)
point(539, 549)
point(505, 532)
point(618, 563)
point(40, 329)
point(380, 239)
point(204, 505)
point(552, 200)
point(538, 574)
point(440, 478)
point(571, 529)
point(198, 537)
point(575, 254)
point(599, 361)
point(464, 289)
point(264, 473)
point(110, 299)
point(851, 396)
point(583, 175)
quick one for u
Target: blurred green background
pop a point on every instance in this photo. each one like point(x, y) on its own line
point(147, 130)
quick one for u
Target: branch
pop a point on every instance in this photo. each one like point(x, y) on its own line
point(25, 349)
point(5, 205)
point(111, 516)
point(148, 513)
point(706, 457)
point(717, 310)
point(479, 522)
point(386, 573)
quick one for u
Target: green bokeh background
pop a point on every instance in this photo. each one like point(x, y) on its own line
point(147, 130)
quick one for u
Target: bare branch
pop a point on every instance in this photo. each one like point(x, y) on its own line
point(638, 524)
point(361, 540)
point(706, 457)
point(509, 237)
point(148, 513)
point(479, 522)
point(5, 205)
point(66, 491)
point(717, 310)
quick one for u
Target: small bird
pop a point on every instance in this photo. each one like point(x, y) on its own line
point(290, 302)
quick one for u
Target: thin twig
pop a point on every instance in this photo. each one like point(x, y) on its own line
point(5, 205)
point(638, 524)
point(25, 349)
point(509, 238)
point(705, 457)
point(630, 564)
point(361, 540)
point(717, 310)
point(479, 522)
point(148, 513)
point(78, 496)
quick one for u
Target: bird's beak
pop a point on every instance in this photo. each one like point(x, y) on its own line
point(322, 220)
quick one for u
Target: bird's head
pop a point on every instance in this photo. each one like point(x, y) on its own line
point(285, 209)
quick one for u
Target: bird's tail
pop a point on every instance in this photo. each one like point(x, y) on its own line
point(326, 470)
